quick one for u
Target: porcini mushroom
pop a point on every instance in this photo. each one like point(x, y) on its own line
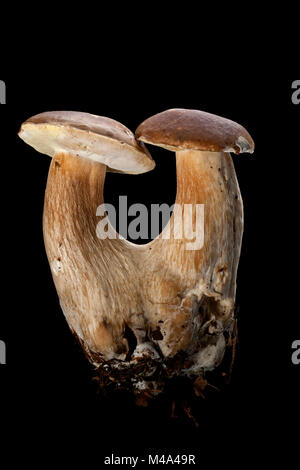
point(95, 279)
point(175, 304)
point(189, 295)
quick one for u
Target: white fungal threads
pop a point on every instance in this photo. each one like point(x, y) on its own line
point(56, 266)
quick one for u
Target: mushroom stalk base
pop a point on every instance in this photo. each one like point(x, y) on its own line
point(146, 314)
point(94, 277)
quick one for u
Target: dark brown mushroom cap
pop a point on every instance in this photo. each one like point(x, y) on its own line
point(180, 129)
point(94, 137)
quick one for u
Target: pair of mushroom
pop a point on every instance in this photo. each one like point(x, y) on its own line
point(143, 312)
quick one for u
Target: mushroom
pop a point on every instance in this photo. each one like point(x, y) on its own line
point(95, 278)
point(189, 294)
point(144, 313)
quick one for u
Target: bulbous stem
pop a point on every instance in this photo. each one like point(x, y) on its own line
point(178, 279)
point(94, 277)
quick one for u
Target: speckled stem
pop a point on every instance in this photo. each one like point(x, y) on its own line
point(181, 282)
point(94, 278)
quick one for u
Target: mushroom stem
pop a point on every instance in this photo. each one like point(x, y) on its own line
point(209, 178)
point(181, 279)
point(94, 277)
point(206, 178)
point(74, 191)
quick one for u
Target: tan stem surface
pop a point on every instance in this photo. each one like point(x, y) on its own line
point(178, 280)
point(95, 279)
point(162, 291)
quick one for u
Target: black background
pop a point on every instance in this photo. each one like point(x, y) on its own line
point(48, 401)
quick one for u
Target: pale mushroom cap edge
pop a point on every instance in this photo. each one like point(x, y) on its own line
point(89, 136)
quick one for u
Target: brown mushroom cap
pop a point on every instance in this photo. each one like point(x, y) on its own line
point(181, 129)
point(94, 137)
